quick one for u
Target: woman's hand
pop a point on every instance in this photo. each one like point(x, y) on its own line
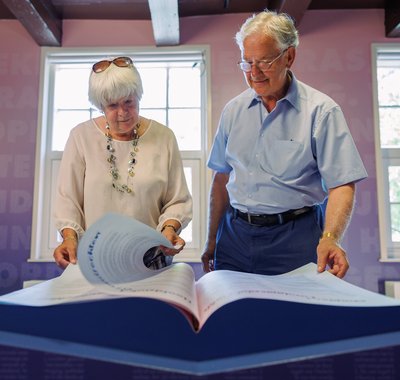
point(170, 232)
point(66, 252)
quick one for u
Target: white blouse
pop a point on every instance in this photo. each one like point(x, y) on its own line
point(85, 193)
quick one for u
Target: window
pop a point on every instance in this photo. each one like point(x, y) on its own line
point(386, 79)
point(167, 74)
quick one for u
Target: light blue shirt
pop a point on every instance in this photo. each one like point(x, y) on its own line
point(288, 158)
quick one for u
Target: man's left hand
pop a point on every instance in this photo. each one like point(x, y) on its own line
point(331, 254)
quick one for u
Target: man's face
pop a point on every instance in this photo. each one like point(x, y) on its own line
point(268, 78)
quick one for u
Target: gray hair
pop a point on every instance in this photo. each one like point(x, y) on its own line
point(114, 83)
point(279, 26)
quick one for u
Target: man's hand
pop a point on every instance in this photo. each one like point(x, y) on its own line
point(207, 257)
point(331, 254)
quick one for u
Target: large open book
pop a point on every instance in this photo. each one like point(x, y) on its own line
point(111, 265)
point(113, 307)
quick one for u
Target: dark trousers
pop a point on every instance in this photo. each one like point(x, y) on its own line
point(271, 250)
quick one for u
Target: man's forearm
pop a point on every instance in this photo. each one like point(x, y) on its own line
point(339, 210)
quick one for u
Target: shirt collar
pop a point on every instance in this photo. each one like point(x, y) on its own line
point(292, 95)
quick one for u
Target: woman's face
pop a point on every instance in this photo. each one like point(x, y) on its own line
point(123, 115)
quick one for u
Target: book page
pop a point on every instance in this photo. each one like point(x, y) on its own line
point(71, 286)
point(304, 285)
point(174, 284)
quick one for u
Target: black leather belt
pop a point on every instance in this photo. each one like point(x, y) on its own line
point(272, 219)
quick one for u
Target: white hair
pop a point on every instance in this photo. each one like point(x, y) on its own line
point(114, 83)
point(279, 26)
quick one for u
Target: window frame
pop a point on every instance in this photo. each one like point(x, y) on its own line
point(196, 160)
point(384, 158)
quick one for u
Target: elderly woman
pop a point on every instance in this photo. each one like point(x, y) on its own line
point(120, 162)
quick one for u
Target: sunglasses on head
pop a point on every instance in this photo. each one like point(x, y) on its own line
point(103, 65)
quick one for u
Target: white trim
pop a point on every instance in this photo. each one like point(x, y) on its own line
point(386, 260)
point(37, 219)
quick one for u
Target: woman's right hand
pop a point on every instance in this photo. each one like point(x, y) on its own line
point(66, 252)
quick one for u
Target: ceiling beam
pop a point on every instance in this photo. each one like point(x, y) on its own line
point(392, 18)
point(39, 18)
point(165, 21)
point(294, 8)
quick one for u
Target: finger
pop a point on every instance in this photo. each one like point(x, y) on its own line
point(59, 258)
point(321, 264)
point(342, 270)
point(179, 244)
point(72, 257)
point(62, 262)
point(334, 270)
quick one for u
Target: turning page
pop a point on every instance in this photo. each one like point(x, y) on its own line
point(112, 250)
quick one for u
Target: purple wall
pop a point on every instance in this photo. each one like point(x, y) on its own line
point(334, 56)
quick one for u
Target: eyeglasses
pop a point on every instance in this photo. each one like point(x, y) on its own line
point(262, 64)
point(103, 65)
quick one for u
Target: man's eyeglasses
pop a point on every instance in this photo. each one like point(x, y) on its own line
point(105, 64)
point(262, 64)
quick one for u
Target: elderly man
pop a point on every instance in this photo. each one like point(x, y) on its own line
point(281, 148)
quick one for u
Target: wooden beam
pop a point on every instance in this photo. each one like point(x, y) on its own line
point(39, 18)
point(294, 8)
point(165, 20)
point(392, 18)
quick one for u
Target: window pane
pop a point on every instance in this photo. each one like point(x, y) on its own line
point(395, 214)
point(394, 198)
point(389, 103)
point(389, 122)
point(154, 81)
point(186, 126)
point(71, 87)
point(158, 115)
point(64, 121)
point(394, 184)
point(184, 87)
point(388, 86)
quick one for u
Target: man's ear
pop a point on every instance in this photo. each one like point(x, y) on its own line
point(291, 55)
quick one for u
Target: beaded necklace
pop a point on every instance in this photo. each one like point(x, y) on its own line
point(114, 172)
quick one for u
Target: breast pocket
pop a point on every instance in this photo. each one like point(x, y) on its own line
point(283, 159)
